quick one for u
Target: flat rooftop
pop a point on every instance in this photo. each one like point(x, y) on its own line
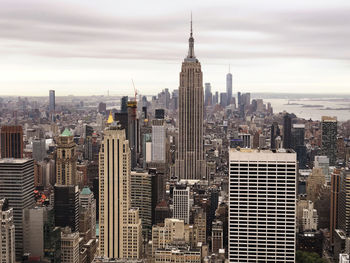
point(14, 160)
point(245, 154)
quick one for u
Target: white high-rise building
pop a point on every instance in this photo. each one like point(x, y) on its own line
point(262, 206)
point(310, 217)
point(181, 202)
point(158, 141)
point(120, 225)
point(7, 233)
point(87, 201)
point(69, 246)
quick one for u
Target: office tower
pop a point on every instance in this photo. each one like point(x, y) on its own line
point(159, 114)
point(52, 101)
point(229, 87)
point(323, 163)
point(88, 202)
point(39, 150)
point(216, 98)
point(66, 162)
point(161, 212)
point(41, 238)
point(262, 206)
point(133, 132)
point(181, 202)
point(7, 233)
point(66, 206)
point(344, 202)
point(223, 99)
point(208, 95)
point(298, 144)
point(239, 99)
point(309, 217)
point(11, 142)
point(165, 234)
point(275, 132)
point(158, 141)
point(329, 138)
point(314, 184)
point(217, 237)
point(190, 162)
point(69, 246)
point(102, 107)
point(124, 104)
point(287, 131)
point(144, 196)
point(120, 226)
point(17, 185)
point(335, 189)
point(199, 226)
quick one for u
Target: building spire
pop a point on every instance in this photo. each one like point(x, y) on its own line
point(191, 44)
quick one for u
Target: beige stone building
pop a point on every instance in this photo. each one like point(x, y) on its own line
point(66, 162)
point(69, 246)
point(190, 162)
point(7, 233)
point(120, 225)
point(314, 183)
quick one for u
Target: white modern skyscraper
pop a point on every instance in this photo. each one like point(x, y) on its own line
point(262, 206)
point(120, 225)
point(158, 141)
point(181, 202)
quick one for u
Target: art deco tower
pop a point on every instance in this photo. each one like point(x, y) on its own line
point(120, 225)
point(190, 162)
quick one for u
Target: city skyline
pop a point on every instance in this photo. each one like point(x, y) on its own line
point(89, 48)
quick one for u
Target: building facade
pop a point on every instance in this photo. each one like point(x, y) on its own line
point(11, 143)
point(181, 202)
point(120, 225)
point(329, 138)
point(17, 185)
point(7, 233)
point(262, 206)
point(190, 162)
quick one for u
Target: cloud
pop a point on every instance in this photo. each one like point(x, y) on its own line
point(65, 30)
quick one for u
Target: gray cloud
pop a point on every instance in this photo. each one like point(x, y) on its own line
point(58, 29)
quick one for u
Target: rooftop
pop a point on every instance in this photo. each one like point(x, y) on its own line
point(66, 133)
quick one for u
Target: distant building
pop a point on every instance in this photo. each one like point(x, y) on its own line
point(208, 96)
point(335, 189)
point(181, 202)
point(229, 88)
point(323, 163)
point(102, 107)
point(11, 143)
point(39, 150)
point(52, 101)
point(88, 202)
point(66, 162)
point(17, 185)
point(217, 237)
point(275, 132)
point(124, 104)
point(329, 138)
point(66, 206)
point(223, 99)
point(310, 218)
point(69, 246)
point(287, 131)
point(7, 233)
point(158, 141)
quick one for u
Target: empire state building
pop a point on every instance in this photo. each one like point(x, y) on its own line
point(190, 163)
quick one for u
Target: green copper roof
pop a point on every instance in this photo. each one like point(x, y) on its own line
point(66, 132)
point(86, 191)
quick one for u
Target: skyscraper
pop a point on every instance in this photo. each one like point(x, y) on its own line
point(229, 87)
point(17, 185)
point(190, 162)
point(11, 142)
point(66, 206)
point(262, 206)
point(120, 225)
point(66, 163)
point(7, 233)
point(181, 200)
point(158, 141)
point(329, 138)
point(52, 101)
point(275, 132)
point(208, 96)
point(287, 132)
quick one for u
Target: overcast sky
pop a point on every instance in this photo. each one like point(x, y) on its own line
point(85, 47)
